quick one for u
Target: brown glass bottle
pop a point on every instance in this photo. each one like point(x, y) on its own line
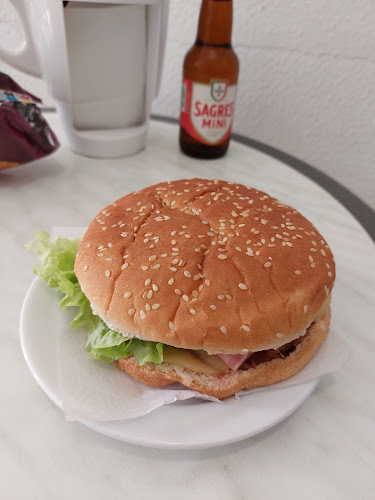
point(209, 84)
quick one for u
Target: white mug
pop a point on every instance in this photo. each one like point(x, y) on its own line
point(101, 62)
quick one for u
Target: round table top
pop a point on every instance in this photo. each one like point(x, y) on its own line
point(326, 449)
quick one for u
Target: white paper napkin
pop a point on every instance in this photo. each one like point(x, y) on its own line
point(92, 390)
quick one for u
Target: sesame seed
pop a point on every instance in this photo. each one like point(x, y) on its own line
point(223, 329)
point(298, 272)
point(88, 245)
point(221, 296)
point(207, 282)
point(229, 297)
point(155, 266)
point(142, 314)
point(155, 287)
point(194, 293)
point(263, 221)
point(152, 257)
point(279, 335)
point(187, 274)
point(322, 252)
point(185, 297)
point(245, 327)
point(171, 325)
point(242, 286)
point(171, 281)
point(100, 255)
point(86, 267)
point(175, 261)
point(329, 274)
point(313, 264)
point(214, 308)
point(149, 294)
point(177, 291)
point(305, 309)
point(147, 307)
point(268, 264)
point(124, 266)
point(108, 273)
point(155, 306)
point(131, 311)
point(173, 269)
point(144, 268)
point(193, 311)
point(222, 257)
point(124, 235)
point(175, 249)
point(147, 282)
point(311, 259)
point(125, 256)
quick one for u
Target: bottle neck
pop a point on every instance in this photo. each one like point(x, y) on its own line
point(215, 23)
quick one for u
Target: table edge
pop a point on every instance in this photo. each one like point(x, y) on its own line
point(362, 212)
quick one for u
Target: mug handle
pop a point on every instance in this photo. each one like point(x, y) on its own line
point(24, 58)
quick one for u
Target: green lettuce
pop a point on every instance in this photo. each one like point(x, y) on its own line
point(56, 268)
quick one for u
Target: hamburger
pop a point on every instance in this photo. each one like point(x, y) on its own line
point(232, 286)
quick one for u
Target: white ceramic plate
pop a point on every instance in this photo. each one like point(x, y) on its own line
point(190, 424)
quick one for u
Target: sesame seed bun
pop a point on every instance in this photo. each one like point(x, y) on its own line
point(256, 375)
point(205, 264)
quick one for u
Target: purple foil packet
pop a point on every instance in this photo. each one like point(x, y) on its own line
point(24, 133)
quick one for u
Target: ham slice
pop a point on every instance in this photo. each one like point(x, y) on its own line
point(234, 361)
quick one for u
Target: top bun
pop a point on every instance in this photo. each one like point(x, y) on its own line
point(205, 264)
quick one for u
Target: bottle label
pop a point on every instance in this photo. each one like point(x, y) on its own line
point(207, 110)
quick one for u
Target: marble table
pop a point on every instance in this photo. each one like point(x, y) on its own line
point(325, 450)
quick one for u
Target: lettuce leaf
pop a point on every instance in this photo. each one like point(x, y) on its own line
point(56, 268)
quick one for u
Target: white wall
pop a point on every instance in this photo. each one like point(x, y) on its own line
point(307, 78)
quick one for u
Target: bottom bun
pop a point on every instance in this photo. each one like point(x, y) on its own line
point(265, 373)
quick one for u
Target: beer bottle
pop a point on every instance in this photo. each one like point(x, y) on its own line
point(209, 84)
